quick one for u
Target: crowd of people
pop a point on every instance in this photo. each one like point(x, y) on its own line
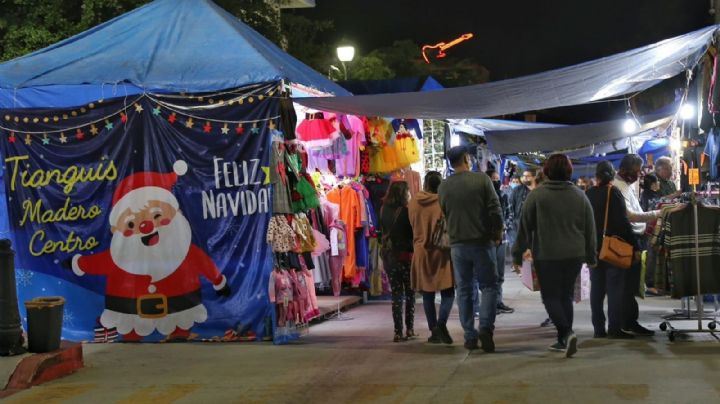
point(546, 218)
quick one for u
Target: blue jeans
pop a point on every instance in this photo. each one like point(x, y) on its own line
point(500, 266)
point(471, 263)
point(434, 319)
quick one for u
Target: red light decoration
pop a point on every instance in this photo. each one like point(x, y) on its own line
point(441, 47)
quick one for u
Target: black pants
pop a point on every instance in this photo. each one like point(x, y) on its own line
point(610, 281)
point(557, 286)
point(632, 288)
point(399, 276)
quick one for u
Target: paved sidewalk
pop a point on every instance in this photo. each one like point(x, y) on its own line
point(355, 361)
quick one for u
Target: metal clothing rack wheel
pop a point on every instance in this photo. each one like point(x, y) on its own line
point(666, 325)
point(338, 315)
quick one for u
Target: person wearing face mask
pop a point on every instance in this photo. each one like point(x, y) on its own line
point(626, 181)
point(517, 199)
point(499, 251)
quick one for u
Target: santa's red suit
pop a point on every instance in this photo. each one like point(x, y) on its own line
point(134, 302)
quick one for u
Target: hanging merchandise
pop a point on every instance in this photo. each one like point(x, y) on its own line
point(383, 157)
point(411, 125)
point(406, 147)
point(316, 131)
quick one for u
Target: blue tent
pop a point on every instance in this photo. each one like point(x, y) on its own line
point(165, 46)
point(400, 85)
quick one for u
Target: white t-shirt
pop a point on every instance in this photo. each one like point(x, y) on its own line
point(636, 215)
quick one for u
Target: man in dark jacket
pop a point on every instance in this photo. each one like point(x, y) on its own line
point(475, 224)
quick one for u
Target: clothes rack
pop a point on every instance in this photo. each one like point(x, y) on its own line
point(700, 314)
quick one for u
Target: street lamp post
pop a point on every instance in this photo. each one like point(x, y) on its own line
point(345, 54)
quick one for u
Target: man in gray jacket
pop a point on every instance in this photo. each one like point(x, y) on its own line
point(475, 223)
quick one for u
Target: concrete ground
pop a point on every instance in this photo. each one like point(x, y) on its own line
point(355, 361)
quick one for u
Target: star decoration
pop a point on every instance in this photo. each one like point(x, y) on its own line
point(123, 117)
point(207, 128)
point(11, 139)
point(271, 125)
point(239, 130)
point(63, 138)
point(225, 129)
point(80, 135)
point(156, 111)
point(28, 139)
point(138, 108)
point(94, 130)
point(172, 118)
point(108, 125)
point(45, 139)
point(266, 170)
point(255, 130)
point(189, 123)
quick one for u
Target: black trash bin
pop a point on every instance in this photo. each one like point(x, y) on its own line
point(44, 322)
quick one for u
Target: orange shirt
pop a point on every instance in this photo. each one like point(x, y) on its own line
point(350, 213)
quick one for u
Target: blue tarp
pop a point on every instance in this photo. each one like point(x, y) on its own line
point(600, 79)
point(165, 46)
point(401, 85)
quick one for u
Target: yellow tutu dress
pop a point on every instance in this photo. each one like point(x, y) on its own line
point(406, 148)
point(383, 157)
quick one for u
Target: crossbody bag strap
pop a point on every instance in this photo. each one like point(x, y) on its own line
point(607, 210)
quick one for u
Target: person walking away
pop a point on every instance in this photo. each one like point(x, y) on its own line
point(499, 252)
point(626, 181)
point(474, 218)
point(431, 270)
point(606, 279)
point(557, 225)
point(397, 247)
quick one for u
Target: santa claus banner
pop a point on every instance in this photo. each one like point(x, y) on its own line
point(147, 214)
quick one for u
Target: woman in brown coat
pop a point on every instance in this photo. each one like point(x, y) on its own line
point(431, 268)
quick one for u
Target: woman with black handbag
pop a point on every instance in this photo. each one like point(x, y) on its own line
point(397, 251)
point(609, 278)
point(431, 270)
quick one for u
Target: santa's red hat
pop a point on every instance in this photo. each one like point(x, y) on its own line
point(136, 190)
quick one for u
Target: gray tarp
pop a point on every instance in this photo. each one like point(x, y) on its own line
point(565, 137)
point(612, 76)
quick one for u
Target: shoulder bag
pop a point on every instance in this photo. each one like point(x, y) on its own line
point(615, 251)
point(439, 236)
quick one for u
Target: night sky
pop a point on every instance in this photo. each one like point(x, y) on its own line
point(515, 37)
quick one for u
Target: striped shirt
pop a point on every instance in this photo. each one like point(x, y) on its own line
point(680, 243)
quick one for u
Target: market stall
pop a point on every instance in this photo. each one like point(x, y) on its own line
point(137, 173)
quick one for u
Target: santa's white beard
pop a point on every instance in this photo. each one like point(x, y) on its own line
point(158, 261)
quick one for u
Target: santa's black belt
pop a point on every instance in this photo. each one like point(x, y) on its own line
point(154, 305)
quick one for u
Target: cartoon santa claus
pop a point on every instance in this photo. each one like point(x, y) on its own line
point(153, 270)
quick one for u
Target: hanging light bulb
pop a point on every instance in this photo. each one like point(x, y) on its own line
point(454, 140)
point(687, 111)
point(630, 126)
point(675, 144)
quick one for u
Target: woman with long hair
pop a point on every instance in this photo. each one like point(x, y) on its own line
point(431, 270)
point(558, 226)
point(397, 252)
point(607, 279)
